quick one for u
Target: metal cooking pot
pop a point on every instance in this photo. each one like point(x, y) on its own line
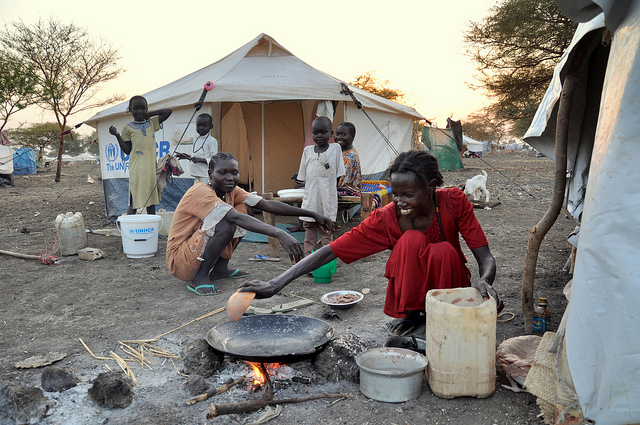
point(270, 338)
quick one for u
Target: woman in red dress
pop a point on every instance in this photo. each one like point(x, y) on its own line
point(421, 227)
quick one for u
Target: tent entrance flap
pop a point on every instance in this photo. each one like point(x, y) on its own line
point(283, 135)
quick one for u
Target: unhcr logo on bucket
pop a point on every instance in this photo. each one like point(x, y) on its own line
point(142, 231)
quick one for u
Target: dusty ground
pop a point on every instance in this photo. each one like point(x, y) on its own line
point(48, 308)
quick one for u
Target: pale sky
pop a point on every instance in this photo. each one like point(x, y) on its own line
point(415, 44)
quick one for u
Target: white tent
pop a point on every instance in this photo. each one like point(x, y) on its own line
point(263, 101)
point(6, 159)
point(603, 315)
point(85, 156)
point(473, 145)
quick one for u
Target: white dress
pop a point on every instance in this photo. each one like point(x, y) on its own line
point(320, 172)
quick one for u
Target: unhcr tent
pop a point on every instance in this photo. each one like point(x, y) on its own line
point(603, 316)
point(442, 145)
point(262, 101)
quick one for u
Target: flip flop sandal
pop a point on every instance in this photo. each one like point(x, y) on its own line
point(237, 274)
point(196, 290)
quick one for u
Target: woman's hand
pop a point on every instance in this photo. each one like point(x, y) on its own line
point(262, 289)
point(113, 130)
point(291, 245)
point(487, 290)
point(324, 222)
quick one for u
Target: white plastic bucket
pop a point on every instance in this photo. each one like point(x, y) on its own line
point(461, 343)
point(139, 234)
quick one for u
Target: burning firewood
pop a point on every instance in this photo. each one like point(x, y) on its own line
point(215, 391)
point(268, 400)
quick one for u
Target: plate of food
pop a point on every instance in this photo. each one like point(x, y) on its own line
point(341, 299)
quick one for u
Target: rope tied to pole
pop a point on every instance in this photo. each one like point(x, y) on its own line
point(347, 91)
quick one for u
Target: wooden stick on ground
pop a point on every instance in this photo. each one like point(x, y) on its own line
point(91, 352)
point(253, 405)
point(188, 323)
point(125, 367)
point(215, 391)
point(18, 255)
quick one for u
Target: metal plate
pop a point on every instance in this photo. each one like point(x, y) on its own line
point(271, 338)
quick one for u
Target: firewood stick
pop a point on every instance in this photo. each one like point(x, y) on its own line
point(253, 405)
point(215, 391)
point(19, 255)
point(268, 394)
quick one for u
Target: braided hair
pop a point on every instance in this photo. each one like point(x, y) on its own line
point(421, 163)
point(220, 156)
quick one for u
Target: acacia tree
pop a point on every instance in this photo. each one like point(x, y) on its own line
point(69, 67)
point(516, 49)
point(36, 136)
point(370, 83)
point(484, 125)
point(17, 85)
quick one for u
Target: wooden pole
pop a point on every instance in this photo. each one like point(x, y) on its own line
point(537, 233)
point(270, 219)
point(366, 206)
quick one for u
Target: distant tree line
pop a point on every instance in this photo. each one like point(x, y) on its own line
point(516, 48)
point(56, 67)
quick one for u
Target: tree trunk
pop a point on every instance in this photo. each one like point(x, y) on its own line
point(60, 150)
point(537, 233)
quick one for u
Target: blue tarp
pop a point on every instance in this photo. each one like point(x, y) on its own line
point(115, 195)
point(24, 161)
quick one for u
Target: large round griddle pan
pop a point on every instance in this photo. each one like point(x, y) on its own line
point(270, 338)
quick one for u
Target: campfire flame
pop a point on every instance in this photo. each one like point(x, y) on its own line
point(258, 376)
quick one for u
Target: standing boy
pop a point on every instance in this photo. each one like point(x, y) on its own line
point(204, 147)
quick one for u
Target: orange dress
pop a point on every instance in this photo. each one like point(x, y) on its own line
point(187, 236)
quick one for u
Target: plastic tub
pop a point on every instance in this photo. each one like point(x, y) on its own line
point(393, 375)
point(461, 343)
point(324, 274)
point(139, 234)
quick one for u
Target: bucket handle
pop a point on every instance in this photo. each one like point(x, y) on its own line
point(140, 240)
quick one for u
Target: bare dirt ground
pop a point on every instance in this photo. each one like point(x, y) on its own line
point(48, 308)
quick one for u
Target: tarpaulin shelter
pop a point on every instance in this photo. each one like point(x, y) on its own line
point(603, 316)
point(24, 161)
point(442, 144)
point(262, 102)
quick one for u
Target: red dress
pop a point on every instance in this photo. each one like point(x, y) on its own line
point(418, 261)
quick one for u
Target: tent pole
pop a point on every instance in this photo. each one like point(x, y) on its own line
point(262, 105)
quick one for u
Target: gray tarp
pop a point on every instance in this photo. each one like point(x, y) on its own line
point(603, 316)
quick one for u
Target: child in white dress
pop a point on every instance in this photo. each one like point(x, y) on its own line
point(320, 167)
